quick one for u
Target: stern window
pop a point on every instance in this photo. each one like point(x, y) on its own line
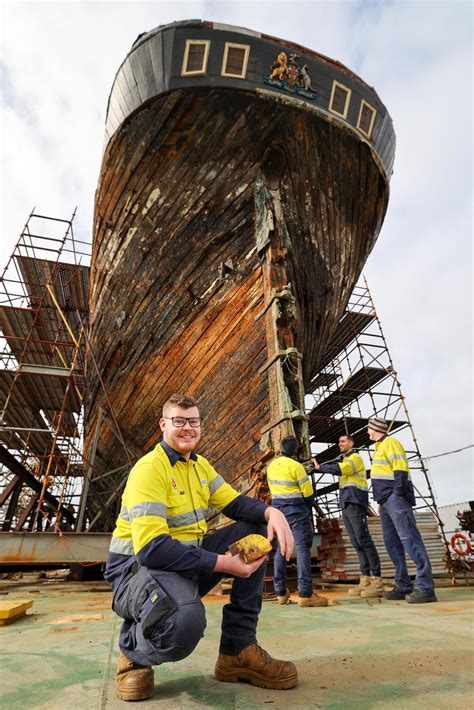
point(195, 57)
point(236, 57)
point(340, 98)
point(366, 120)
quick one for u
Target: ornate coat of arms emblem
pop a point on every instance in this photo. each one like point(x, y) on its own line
point(285, 73)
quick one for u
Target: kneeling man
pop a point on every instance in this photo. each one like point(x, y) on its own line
point(161, 562)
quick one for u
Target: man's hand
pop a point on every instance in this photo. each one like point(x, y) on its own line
point(277, 525)
point(378, 508)
point(235, 565)
point(315, 464)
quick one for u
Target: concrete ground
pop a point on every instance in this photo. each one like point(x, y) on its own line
point(354, 654)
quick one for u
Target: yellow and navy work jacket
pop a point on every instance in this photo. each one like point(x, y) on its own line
point(353, 487)
point(390, 472)
point(162, 519)
point(290, 486)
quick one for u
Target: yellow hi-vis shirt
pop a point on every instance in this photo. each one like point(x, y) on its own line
point(162, 499)
point(390, 472)
point(289, 484)
point(353, 480)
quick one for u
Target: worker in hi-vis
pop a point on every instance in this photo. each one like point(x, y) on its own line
point(354, 503)
point(393, 490)
point(161, 562)
point(292, 493)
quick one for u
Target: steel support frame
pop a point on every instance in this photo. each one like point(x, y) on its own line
point(368, 348)
point(49, 243)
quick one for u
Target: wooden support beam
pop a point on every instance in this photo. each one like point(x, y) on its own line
point(283, 366)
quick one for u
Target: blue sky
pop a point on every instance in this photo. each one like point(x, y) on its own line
point(58, 61)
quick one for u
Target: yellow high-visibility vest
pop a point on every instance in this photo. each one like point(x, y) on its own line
point(390, 457)
point(353, 472)
point(162, 499)
point(288, 482)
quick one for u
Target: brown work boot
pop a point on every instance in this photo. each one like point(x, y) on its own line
point(313, 600)
point(284, 598)
point(133, 681)
point(363, 584)
point(374, 590)
point(255, 666)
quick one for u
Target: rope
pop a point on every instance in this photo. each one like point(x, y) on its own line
point(447, 453)
point(423, 458)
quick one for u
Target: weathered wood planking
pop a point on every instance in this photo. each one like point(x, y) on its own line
point(176, 199)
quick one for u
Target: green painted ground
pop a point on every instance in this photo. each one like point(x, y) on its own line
point(355, 655)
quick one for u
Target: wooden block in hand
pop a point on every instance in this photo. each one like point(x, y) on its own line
point(251, 547)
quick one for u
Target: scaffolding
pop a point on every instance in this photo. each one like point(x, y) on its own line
point(43, 312)
point(357, 380)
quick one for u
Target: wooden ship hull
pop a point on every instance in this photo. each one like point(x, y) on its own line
point(233, 217)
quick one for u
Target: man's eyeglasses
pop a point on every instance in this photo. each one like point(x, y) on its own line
point(181, 421)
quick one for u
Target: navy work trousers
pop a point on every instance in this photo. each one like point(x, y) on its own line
point(401, 535)
point(164, 618)
point(355, 521)
point(300, 524)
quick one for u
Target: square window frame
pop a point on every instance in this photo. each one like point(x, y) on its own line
point(234, 45)
point(372, 120)
point(196, 72)
point(335, 84)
